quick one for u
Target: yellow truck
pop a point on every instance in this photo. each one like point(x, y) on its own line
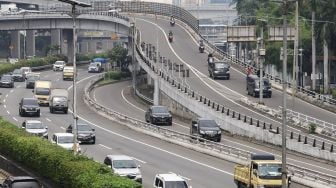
point(262, 171)
point(42, 91)
point(68, 73)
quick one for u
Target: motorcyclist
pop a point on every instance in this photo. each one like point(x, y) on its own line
point(210, 58)
point(172, 21)
point(201, 46)
point(170, 36)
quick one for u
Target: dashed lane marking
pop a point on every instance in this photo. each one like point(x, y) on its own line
point(15, 119)
point(105, 146)
point(48, 119)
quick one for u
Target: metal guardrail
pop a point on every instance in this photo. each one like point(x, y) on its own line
point(229, 153)
point(137, 92)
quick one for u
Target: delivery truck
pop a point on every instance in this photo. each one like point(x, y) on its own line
point(58, 100)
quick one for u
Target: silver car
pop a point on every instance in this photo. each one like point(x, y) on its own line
point(35, 127)
point(124, 166)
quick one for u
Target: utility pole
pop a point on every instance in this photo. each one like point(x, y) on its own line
point(296, 44)
point(313, 74)
point(284, 92)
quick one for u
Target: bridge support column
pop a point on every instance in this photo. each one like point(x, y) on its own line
point(15, 44)
point(156, 94)
point(106, 45)
point(84, 47)
point(92, 46)
point(149, 80)
point(30, 44)
point(56, 39)
point(69, 38)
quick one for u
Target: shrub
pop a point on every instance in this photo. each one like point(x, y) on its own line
point(56, 163)
point(312, 128)
point(117, 75)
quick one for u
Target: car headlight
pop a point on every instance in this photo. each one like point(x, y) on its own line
point(202, 132)
point(228, 71)
point(219, 132)
point(45, 134)
point(93, 134)
point(24, 108)
point(215, 71)
point(256, 89)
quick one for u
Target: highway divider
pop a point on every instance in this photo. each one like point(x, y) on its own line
point(301, 175)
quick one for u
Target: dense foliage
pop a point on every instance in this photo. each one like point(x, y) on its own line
point(56, 163)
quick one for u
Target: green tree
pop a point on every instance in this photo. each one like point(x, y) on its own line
point(119, 55)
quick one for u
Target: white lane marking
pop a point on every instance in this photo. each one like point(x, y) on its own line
point(48, 119)
point(83, 80)
point(18, 86)
point(40, 113)
point(141, 161)
point(4, 100)
point(194, 70)
point(6, 95)
point(123, 96)
point(11, 91)
point(5, 106)
point(15, 119)
point(181, 176)
point(105, 146)
point(8, 112)
point(62, 128)
point(57, 79)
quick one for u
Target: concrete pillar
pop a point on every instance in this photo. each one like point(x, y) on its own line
point(63, 43)
point(156, 94)
point(69, 38)
point(30, 43)
point(149, 80)
point(92, 46)
point(56, 39)
point(84, 47)
point(105, 45)
point(15, 44)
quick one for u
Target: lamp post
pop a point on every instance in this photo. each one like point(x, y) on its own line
point(261, 53)
point(301, 71)
point(74, 3)
point(133, 59)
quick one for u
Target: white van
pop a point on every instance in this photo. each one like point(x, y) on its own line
point(169, 180)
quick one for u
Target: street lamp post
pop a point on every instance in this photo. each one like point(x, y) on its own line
point(261, 53)
point(74, 3)
point(301, 71)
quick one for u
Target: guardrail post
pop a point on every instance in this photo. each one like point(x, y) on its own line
point(209, 103)
point(314, 142)
point(201, 98)
point(239, 116)
point(233, 114)
point(204, 100)
point(277, 130)
point(185, 90)
point(245, 119)
point(223, 109)
point(213, 104)
point(228, 112)
point(322, 146)
point(305, 140)
point(251, 121)
point(217, 107)
point(299, 139)
point(291, 135)
point(270, 127)
point(264, 126)
point(173, 82)
point(258, 123)
point(178, 86)
point(193, 94)
point(332, 148)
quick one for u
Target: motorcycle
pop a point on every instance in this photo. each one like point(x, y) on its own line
point(201, 48)
point(170, 38)
point(172, 22)
point(210, 60)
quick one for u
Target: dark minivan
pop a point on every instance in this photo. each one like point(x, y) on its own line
point(219, 70)
point(252, 86)
point(159, 115)
point(85, 133)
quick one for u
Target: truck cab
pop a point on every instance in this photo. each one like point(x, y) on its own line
point(262, 171)
point(42, 92)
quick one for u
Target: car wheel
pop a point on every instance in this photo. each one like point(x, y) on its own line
point(66, 111)
point(51, 110)
point(38, 114)
point(93, 140)
point(219, 139)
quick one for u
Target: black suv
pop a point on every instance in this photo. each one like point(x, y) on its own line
point(20, 182)
point(159, 115)
point(219, 70)
point(85, 133)
point(207, 129)
point(29, 106)
point(18, 75)
point(30, 81)
point(7, 81)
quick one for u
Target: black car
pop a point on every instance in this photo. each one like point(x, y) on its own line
point(30, 81)
point(252, 86)
point(29, 106)
point(21, 182)
point(18, 75)
point(219, 70)
point(207, 129)
point(85, 133)
point(7, 81)
point(159, 115)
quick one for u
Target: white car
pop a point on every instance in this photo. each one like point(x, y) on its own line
point(65, 140)
point(35, 127)
point(169, 180)
point(26, 71)
point(95, 67)
point(59, 66)
point(124, 166)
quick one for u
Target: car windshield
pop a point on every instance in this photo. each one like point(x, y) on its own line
point(42, 91)
point(25, 69)
point(34, 125)
point(94, 64)
point(65, 139)
point(124, 164)
point(6, 77)
point(176, 184)
point(68, 70)
point(269, 171)
point(221, 65)
point(17, 71)
point(266, 83)
point(32, 78)
point(159, 109)
point(84, 127)
point(30, 102)
point(207, 123)
point(59, 99)
point(25, 184)
point(59, 63)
